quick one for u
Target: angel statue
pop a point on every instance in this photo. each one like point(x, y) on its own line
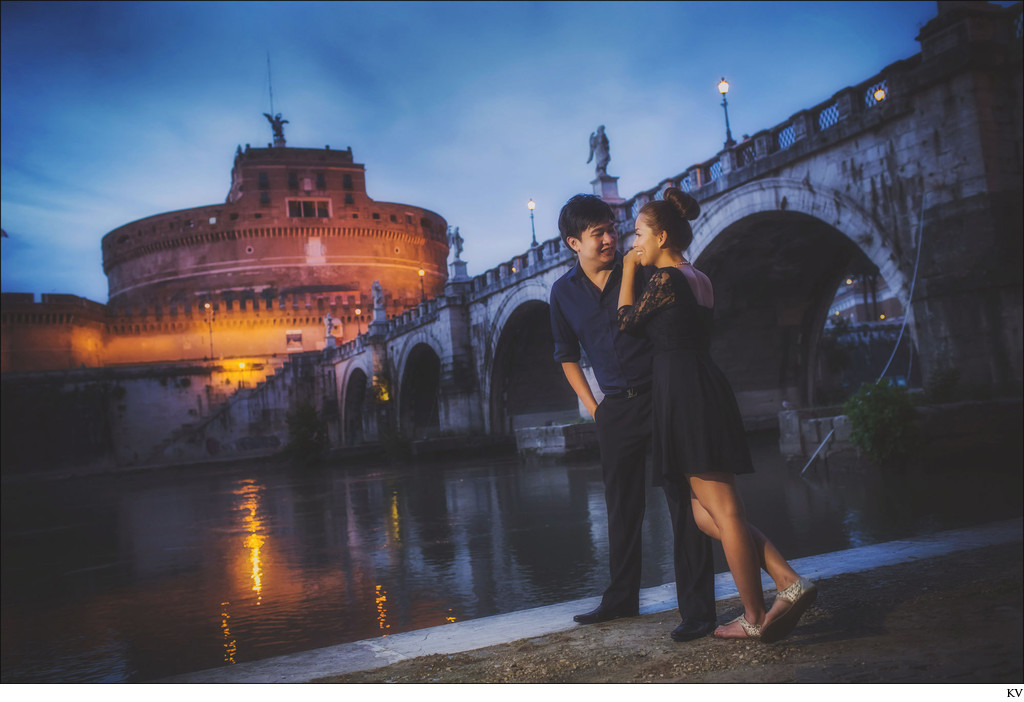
point(455, 241)
point(599, 148)
point(277, 124)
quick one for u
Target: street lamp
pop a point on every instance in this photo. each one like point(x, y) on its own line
point(723, 88)
point(423, 293)
point(531, 204)
point(359, 328)
point(210, 315)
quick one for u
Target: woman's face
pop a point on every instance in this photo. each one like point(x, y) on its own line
point(646, 244)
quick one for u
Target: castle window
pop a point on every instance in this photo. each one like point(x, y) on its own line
point(308, 208)
point(321, 181)
point(213, 220)
point(408, 219)
point(348, 199)
point(264, 198)
point(376, 215)
point(293, 181)
point(234, 215)
point(264, 181)
point(394, 218)
point(347, 181)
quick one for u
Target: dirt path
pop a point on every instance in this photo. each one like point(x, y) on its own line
point(956, 618)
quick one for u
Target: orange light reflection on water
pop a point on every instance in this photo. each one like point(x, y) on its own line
point(382, 611)
point(230, 645)
point(250, 493)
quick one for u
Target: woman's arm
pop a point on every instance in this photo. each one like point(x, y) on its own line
point(657, 295)
point(630, 265)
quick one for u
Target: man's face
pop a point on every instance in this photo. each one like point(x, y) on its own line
point(596, 244)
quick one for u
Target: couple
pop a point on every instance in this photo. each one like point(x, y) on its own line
point(648, 347)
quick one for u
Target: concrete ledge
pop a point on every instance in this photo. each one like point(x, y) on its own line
point(504, 628)
point(557, 440)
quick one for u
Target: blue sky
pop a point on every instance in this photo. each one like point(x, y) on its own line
point(116, 111)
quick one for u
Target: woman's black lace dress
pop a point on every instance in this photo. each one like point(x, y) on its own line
point(697, 424)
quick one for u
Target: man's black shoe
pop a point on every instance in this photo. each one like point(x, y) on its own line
point(604, 614)
point(691, 629)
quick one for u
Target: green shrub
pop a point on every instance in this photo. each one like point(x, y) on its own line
point(306, 433)
point(882, 421)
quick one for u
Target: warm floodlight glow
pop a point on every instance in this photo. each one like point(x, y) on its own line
point(531, 204)
point(723, 86)
point(881, 316)
point(206, 305)
point(879, 95)
point(241, 366)
point(422, 272)
point(849, 281)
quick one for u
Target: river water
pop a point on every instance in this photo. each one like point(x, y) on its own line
point(137, 577)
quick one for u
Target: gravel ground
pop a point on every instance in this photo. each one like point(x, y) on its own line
point(955, 618)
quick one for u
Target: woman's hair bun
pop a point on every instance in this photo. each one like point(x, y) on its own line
point(684, 203)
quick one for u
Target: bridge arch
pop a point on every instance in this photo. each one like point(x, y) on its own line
point(354, 387)
point(524, 385)
point(418, 383)
point(838, 210)
point(776, 251)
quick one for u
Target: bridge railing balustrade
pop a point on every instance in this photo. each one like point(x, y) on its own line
point(876, 93)
point(828, 117)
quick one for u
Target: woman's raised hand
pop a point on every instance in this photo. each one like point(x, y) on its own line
point(631, 261)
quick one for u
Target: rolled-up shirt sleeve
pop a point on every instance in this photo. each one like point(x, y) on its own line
point(567, 344)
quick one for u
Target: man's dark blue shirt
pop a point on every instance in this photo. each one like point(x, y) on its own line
point(582, 315)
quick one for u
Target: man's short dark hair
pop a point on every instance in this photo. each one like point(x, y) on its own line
point(580, 213)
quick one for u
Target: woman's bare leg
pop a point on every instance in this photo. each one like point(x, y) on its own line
point(716, 493)
point(768, 556)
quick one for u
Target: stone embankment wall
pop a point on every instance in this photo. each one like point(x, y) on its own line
point(122, 418)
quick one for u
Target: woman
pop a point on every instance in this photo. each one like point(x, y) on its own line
point(698, 433)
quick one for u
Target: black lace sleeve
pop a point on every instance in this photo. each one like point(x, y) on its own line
point(658, 295)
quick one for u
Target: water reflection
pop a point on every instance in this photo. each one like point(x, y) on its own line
point(141, 576)
point(249, 491)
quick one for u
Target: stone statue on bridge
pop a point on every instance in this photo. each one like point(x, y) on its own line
point(379, 315)
point(329, 325)
point(455, 241)
point(599, 149)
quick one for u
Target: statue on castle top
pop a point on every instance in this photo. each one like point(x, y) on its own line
point(599, 148)
point(277, 124)
point(455, 241)
point(379, 315)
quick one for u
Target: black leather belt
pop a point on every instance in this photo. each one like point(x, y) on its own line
point(630, 393)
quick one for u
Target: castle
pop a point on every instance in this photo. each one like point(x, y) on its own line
point(285, 264)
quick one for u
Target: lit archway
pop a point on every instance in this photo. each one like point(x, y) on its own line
point(355, 402)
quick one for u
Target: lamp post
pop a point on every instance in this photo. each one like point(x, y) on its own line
point(210, 315)
point(531, 204)
point(723, 88)
point(423, 293)
point(359, 327)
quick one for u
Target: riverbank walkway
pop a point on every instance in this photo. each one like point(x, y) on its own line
point(910, 555)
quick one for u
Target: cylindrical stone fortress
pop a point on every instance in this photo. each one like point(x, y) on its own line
point(297, 223)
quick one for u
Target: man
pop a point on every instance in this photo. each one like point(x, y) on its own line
point(584, 307)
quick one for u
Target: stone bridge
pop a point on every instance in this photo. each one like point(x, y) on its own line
point(916, 168)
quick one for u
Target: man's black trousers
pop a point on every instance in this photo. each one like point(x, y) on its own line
point(624, 432)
